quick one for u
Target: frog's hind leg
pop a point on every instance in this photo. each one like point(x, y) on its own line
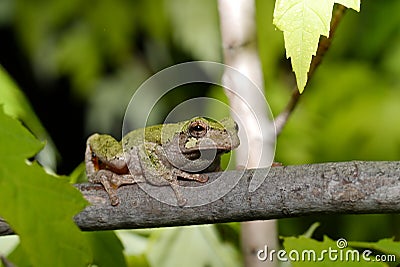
point(111, 182)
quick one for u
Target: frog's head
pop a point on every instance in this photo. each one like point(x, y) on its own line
point(202, 134)
point(197, 145)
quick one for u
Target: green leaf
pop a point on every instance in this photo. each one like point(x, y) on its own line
point(17, 105)
point(138, 260)
point(302, 23)
point(107, 249)
point(78, 175)
point(191, 246)
point(38, 206)
point(354, 4)
point(387, 246)
point(135, 244)
point(310, 231)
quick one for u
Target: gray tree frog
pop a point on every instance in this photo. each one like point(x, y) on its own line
point(159, 154)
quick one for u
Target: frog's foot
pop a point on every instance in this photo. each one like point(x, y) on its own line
point(104, 177)
point(202, 178)
point(199, 177)
point(179, 197)
point(111, 181)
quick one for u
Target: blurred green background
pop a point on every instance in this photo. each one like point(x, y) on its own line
point(79, 62)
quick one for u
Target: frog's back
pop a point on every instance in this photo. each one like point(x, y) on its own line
point(152, 134)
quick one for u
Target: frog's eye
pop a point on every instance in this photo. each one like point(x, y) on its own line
point(197, 129)
point(236, 126)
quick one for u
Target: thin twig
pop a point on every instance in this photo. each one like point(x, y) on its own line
point(323, 47)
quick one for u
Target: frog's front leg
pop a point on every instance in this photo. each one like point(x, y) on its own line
point(159, 172)
point(111, 182)
point(173, 180)
point(202, 178)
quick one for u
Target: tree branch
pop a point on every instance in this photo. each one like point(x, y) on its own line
point(289, 191)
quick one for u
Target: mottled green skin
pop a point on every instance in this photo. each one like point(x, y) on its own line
point(159, 154)
point(107, 148)
point(165, 132)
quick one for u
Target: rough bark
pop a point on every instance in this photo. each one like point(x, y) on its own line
point(327, 188)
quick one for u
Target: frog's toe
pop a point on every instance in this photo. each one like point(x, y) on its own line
point(182, 202)
point(114, 200)
point(202, 178)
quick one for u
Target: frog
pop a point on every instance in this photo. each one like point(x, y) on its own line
point(160, 155)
